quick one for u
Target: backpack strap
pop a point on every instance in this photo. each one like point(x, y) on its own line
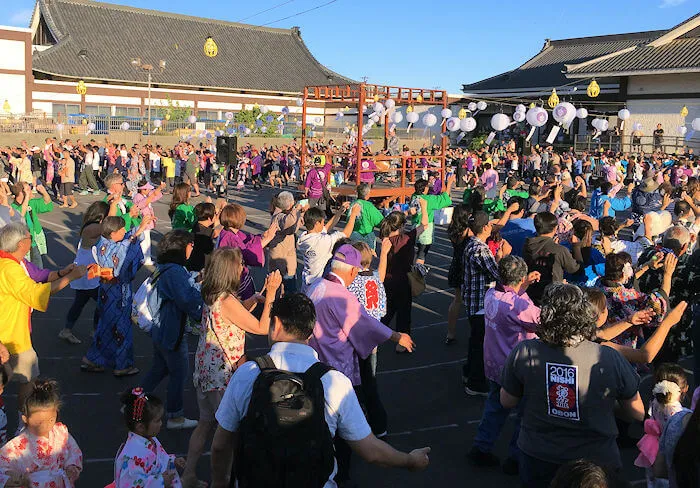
point(317, 370)
point(265, 362)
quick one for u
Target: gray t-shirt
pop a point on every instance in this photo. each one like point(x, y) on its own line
point(569, 396)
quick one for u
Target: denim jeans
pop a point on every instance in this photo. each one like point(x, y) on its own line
point(290, 284)
point(492, 421)
point(175, 365)
point(376, 414)
point(82, 297)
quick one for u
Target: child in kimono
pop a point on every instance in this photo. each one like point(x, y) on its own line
point(141, 460)
point(44, 454)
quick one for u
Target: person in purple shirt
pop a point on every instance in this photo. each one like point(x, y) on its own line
point(316, 181)
point(344, 332)
point(510, 317)
point(233, 218)
point(490, 181)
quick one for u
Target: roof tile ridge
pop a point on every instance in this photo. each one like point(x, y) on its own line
point(172, 15)
point(601, 39)
point(296, 34)
point(572, 67)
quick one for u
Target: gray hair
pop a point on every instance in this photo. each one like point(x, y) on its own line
point(567, 316)
point(113, 178)
point(676, 237)
point(512, 270)
point(284, 201)
point(340, 266)
point(363, 191)
point(11, 235)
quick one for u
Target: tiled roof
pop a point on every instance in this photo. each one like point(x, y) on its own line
point(677, 55)
point(545, 68)
point(249, 57)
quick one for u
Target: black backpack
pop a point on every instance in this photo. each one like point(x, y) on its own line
point(284, 438)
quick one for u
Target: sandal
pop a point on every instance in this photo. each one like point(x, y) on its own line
point(86, 367)
point(450, 340)
point(120, 373)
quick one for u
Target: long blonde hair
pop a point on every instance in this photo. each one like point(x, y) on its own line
point(222, 274)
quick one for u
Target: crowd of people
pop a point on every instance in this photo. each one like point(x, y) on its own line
point(577, 273)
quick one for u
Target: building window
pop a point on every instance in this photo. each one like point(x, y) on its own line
point(128, 112)
point(63, 109)
point(208, 115)
point(100, 110)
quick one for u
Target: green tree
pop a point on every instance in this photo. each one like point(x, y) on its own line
point(172, 110)
point(255, 120)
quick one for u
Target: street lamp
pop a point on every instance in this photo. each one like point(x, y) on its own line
point(148, 68)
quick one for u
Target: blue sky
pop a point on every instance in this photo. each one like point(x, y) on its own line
point(425, 44)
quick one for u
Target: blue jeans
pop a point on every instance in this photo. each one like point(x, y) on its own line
point(492, 421)
point(174, 364)
point(290, 284)
point(535, 473)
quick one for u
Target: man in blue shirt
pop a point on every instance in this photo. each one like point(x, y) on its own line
point(518, 228)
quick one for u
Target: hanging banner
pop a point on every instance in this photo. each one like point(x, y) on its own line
point(553, 134)
point(489, 139)
point(530, 134)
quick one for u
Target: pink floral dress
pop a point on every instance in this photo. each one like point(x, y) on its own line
point(43, 459)
point(221, 345)
point(141, 463)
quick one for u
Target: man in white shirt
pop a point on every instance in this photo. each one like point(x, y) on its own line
point(87, 180)
point(316, 244)
point(292, 322)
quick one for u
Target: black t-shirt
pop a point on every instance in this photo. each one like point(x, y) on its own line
point(658, 135)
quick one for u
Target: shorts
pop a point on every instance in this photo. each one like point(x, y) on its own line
point(67, 189)
point(25, 366)
point(274, 173)
point(189, 177)
point(208, 403)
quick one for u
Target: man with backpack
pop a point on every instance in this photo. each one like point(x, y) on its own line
point(271, 414)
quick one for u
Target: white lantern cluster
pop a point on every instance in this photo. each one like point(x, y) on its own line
point(564, 113)
point(601, 124)
point(537, 116)
point(500, 122)
point(519, 114)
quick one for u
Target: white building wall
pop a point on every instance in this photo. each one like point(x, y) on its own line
point(667, 113)
point(12, 89)
point(12, 54)
point(664, 84)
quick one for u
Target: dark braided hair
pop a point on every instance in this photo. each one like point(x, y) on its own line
point(140, 408)
point(44, 395)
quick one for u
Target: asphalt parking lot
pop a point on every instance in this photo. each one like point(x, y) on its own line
point(422, 392)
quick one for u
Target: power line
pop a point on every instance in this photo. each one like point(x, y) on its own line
point(266, 10)
point(300, 13)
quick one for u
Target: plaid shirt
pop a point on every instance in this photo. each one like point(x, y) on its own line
point(480, 268)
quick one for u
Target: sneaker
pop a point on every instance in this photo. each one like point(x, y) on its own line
point(382, 435)
point(510, 467)
point(181, 423)
point(97, 192)
point(483, 459)
point(67, 335)
point(475, 392)
point(83, 193)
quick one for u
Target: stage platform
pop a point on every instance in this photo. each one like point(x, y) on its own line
point(379, 190)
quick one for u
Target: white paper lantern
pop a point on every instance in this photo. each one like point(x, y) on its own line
point(389, 104)
point(471, 107)
point(247, 131)
point(582, 113)
point(318, 120)
point(537, 116)
point(519, 116)
point(500, 121)
point(624, 114)
point(91, 126)
point(374, 118)
point(564, 113)
point(263, 129)
point(696, 124)
point(520, 108)
point(412, 117)
point(596, 123)
point(429, 120)
point(157, 123)
point(298, 123)
point(125, 126)
point(264, 109)
point(378, 107)
point(446, 113)
point(299, 102)
point(481, 105)
point(682, 130)
point(452, 124)
point(397, 117)
point(468, 124)
point(229, 115)
point(637, 126)
point(191, 119)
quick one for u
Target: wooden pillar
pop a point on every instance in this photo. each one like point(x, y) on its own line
point(360, 120)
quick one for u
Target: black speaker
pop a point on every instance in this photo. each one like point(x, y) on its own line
point(227, 150)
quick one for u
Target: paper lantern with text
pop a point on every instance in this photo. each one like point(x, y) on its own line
point(537, 116)
point(520, 108)
point(452, 124)
point(481, 105)
point(429, 120)
point(519, 116)
point(471, 106)
point(468, 124)
point(412, 117)
point(564, 113)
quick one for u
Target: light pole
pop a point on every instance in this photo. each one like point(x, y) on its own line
point(148, 68)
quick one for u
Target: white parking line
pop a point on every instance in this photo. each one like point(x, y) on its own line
point(423, 429)
point(426, 366)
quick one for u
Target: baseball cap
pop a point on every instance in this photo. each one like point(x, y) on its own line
point(348, 255)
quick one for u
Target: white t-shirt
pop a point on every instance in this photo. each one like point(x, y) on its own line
point(155, 161)
point(342, 410)
point(95, 160)
point(316, 249)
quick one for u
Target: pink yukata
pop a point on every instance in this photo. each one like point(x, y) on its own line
point(43, 459)
point(344, 331)
point(141, 463)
